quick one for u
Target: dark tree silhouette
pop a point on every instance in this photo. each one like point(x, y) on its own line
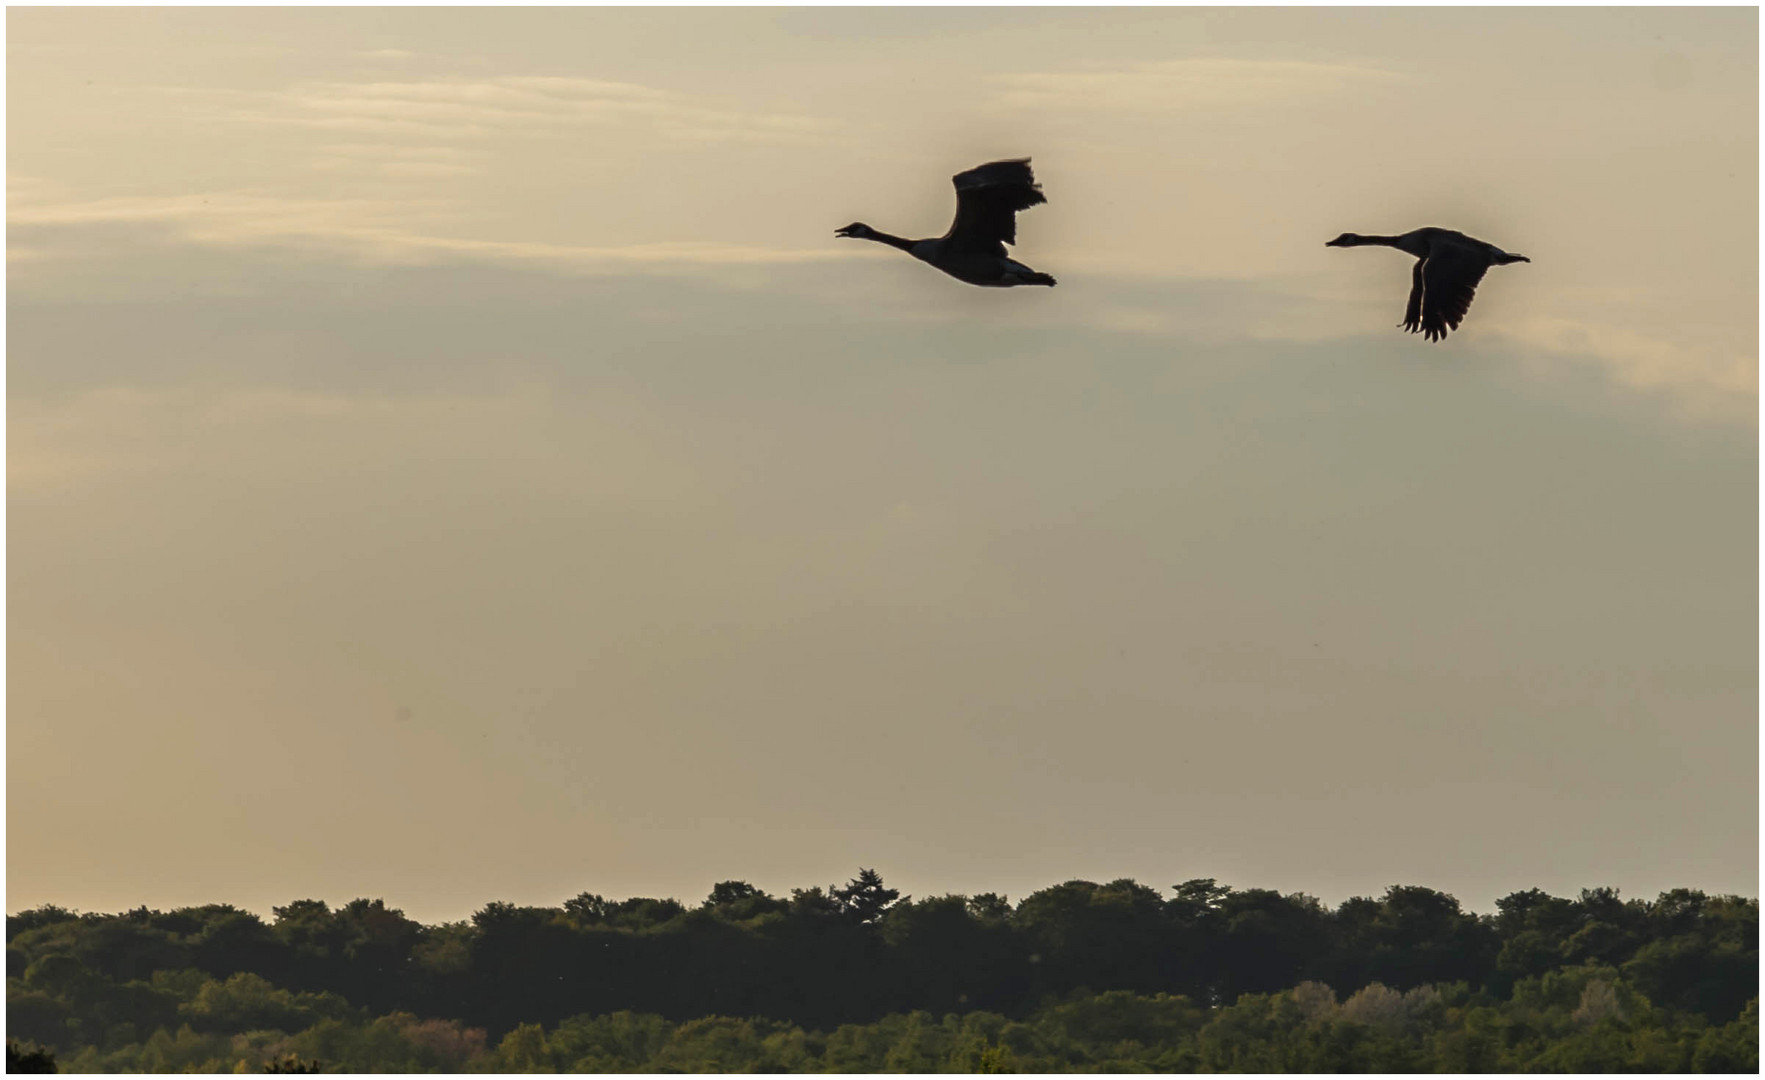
point(293, 1063)
point(864, 899)
point(728, 892)
point(27, 1057)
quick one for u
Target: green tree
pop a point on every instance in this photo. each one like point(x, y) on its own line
point(524, 1050)
point(620, 1042)
point(1732, 1048)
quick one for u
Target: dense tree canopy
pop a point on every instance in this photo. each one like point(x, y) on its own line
point(1218, 977)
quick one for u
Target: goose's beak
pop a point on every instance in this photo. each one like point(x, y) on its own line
point(844, 231)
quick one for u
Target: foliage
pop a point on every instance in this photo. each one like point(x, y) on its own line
point(1079, 976)
point(25, 1057)
point(292, 1063)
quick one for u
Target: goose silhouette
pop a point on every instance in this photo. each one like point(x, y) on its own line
point(988, 198)
point(1448, 267)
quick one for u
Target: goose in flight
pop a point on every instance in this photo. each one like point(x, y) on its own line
point(1448, 267)
point(988, 198)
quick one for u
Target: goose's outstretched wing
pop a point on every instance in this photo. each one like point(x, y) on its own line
point(1449, 277)
point(988, 198)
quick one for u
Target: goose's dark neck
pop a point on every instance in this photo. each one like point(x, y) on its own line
point(1388, 241)
point(893, 241)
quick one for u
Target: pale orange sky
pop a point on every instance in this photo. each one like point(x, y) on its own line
point(451, 459)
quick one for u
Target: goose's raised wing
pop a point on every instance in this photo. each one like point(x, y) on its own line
point(988, 198)
point(1449, 277)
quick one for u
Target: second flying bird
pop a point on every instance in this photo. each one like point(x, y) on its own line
point(988, 198)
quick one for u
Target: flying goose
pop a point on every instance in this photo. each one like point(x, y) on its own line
point(1448, 267)
point(988, 198)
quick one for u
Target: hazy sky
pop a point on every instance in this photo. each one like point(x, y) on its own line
point(450, 457)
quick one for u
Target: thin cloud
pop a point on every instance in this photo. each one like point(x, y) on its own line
point(450, 108)
point(399, 150)
point(1179, 85)
point(1703, 382)
point(1707, 380)
point(405, 168)
point(371, 230)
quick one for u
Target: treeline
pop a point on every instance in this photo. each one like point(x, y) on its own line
point(828, 979)
point(1582, 1020)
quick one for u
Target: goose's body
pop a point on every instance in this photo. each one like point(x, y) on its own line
point(1448, 267)
point(988, 198)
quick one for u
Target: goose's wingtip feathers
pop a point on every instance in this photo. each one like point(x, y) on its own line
point(1013, 172)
